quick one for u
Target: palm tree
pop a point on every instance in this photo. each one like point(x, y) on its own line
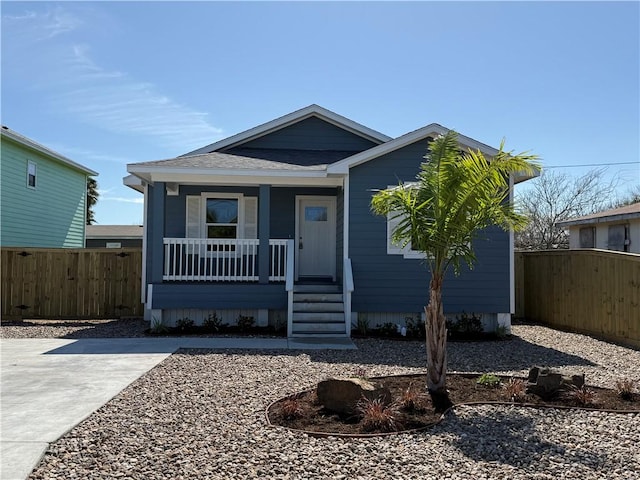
point(456, 195)
point(92, 199)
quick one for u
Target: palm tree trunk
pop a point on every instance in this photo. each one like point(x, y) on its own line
point(436, 332)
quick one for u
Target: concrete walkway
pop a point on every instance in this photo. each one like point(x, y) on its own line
point(48, 386)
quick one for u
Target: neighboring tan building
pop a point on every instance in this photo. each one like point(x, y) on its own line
point(114, 236)
point(616, 229)
point(43, 195)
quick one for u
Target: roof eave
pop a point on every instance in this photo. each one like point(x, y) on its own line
point(596, 220)
point(344, 165)
point(22, 140)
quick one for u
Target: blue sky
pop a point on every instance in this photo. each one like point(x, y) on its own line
point(111, 83)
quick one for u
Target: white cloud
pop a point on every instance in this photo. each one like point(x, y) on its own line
point(110, 99)
point(83, 155)
point(121, 199)
point(45, 25)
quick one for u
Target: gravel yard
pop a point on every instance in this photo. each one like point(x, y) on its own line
point(200, 414)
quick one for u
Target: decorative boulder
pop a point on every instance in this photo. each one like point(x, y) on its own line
point(341, 395)
point(547, 383)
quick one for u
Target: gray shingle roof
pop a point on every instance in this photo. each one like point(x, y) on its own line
point(113, 231)
point(278, 160)
point(615, 214)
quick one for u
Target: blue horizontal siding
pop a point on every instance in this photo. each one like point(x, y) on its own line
point(219, 296)
point(391, 283)
point(312, 134)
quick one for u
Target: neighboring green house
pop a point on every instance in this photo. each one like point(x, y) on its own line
point(43, 195)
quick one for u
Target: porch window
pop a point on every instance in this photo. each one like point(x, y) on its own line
point(221, 217)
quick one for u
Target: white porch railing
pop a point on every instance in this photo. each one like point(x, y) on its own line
point(347, 289)
point(221, 260)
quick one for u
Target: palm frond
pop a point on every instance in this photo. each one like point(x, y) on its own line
point(456, 195)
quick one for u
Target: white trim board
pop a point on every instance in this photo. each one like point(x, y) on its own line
point(433, 129)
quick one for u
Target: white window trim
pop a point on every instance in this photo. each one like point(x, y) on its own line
point(393, 249)
point(393, 219)
point(35, 174)
point(203, 213)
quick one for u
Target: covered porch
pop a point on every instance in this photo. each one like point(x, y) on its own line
point(217, 273)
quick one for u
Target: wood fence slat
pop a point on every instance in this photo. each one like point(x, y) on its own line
point(595, 292)
point(71, 283)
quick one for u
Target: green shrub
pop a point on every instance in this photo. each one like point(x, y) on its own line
point(363, 324)
point(388, 329)
point(488, 380)
point(245, 322)
point(158, 327)
point(415, 327)
point(184, 324)
point(213, 323)
point(465, 323)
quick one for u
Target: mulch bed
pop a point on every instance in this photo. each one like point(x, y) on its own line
point(312, 418)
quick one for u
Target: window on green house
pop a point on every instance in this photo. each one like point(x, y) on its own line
point(31, 174)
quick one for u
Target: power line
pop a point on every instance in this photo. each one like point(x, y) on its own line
point(591, 165)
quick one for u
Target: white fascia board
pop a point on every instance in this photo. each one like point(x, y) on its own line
point(27, 142)
point(134, 182)
point(289, 119)
point(597, 220)
point(344, 165)
point(249, 180)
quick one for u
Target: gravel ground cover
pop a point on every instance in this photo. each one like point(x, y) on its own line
point(201, 414)
point(126, 328)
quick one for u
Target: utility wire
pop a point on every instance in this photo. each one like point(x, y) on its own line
point(591, 165)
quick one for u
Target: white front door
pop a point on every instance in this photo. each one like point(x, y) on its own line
point(316, 237)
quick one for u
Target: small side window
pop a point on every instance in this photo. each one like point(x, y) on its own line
point(31, 174)
point(588, 237)
point(619, 238)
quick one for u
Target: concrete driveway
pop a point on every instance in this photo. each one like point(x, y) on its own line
point(48, 386)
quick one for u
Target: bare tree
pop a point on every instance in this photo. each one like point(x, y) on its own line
point(630, 197)
point(556, 196)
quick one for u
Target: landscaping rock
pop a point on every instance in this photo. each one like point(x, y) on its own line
point(341, 395)
point(547, 383)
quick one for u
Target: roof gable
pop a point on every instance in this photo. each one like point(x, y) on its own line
point(431, 130)
point(35, 146)
point(314, 112)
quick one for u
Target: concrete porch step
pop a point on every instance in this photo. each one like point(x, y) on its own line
point(318, 317)
point(317, 288)
point(316, 297)
point(326, 328)
point(318, 307)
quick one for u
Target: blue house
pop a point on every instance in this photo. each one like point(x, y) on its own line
point(275, 223)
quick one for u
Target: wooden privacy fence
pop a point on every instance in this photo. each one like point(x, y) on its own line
point(595, 292)
point(71, 283)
